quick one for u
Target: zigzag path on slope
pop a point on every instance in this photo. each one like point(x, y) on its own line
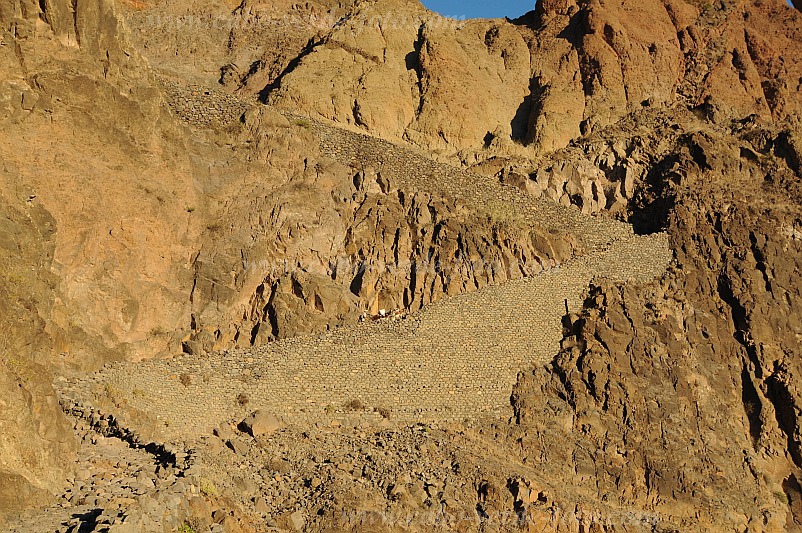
point(458, 358)
point(408, 169)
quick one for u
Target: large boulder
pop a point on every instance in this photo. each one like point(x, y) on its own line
point(261, 423)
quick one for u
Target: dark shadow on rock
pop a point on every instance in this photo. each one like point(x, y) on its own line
point(521, 120)
point(264, 94)
point(87, 520)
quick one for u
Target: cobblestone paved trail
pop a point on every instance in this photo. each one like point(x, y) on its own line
point(409, 168)
point(457, 359)
point(412, 170)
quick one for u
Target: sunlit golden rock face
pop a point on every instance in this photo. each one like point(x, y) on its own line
point(483, 267)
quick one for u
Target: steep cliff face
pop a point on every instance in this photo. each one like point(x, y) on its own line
point(534, 84)
point(142, 238)
point(36, 444)
point(94, 237)
point(679, 396)
point(162, 234)
point(321, 243)
point(595, 62)
point(483, 88)
point(397, 71)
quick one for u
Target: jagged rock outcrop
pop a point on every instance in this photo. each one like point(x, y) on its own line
point(709, 351)
point(135, 224)
point(482, 88)
point(41, 331)
point(330, 243)
point(142, 268)
point(567, 69)
point(715, 55)
point(399, 64)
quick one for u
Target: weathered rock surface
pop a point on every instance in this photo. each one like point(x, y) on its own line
point(700, 364)
point(142, 215)
point(261, 423)
point(395, 233)
point(139, 237)
point(543, 80)
point(398, 68)
point(37, 446)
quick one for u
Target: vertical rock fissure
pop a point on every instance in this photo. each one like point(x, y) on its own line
point(752, 406)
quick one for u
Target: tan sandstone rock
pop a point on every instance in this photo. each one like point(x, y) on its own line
point(261, 423)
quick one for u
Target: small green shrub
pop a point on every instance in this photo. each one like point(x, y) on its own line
point(186, 528)
point(207, 488)
point(782, 497)
point(18, 367)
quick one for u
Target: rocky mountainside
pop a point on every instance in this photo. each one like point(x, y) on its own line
point(701, 361)
point(208, 178)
